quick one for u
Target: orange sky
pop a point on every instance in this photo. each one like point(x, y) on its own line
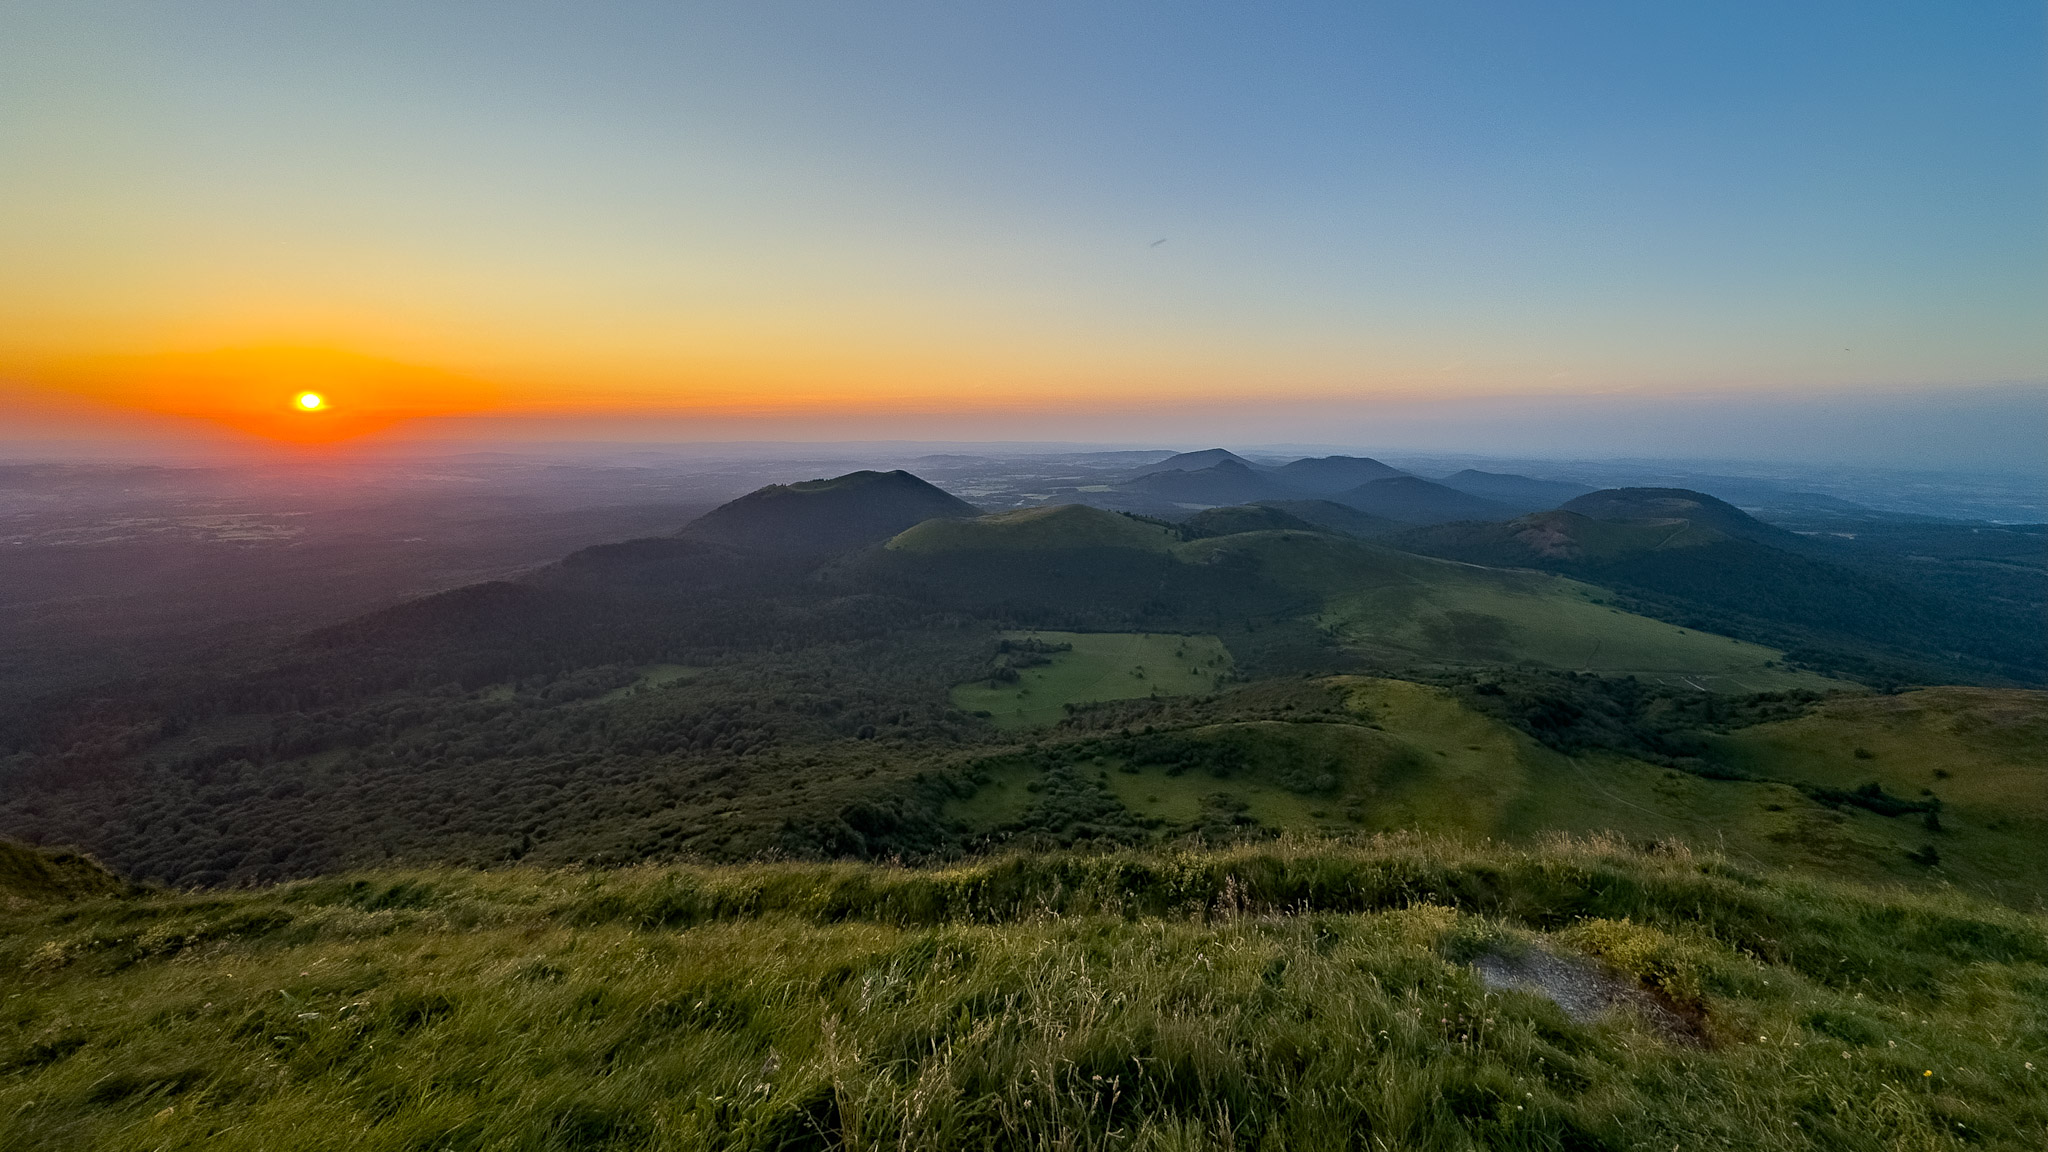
point(973, 226)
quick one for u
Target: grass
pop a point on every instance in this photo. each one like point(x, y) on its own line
point(1403, 756)
point(1100, 666)
point(1982, 752)
point(1496, 618)
point(1036, 529)
point(1401, 609)
point(1279, 997)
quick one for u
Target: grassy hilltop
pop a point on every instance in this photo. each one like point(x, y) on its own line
point(1401, 994)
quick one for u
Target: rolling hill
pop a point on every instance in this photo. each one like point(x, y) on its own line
point(1328, 475)
point(1342, 519)
point(1226, 482)
point(817, 517)
point(1061, 527)
point(1518, 492)
point(1654, 505)
point(1413, 500)
point(1687, 557)
point(692, 697)
point(1194, 461)
point(1354, 599)
point(1233, 519)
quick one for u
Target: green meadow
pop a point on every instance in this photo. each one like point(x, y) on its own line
point(1100, 666)
point(1402, 756)
point(1407, 611)
point(1284, 996)
point(1548, 621)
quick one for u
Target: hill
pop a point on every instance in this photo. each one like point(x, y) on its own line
point(1586, 995)
point(1518, 492)
point(821, 516)
point(1727, 572)
point(1195, 461)
point(1331, 516)
point(35, 876)
point(1327, 475)
point(1559, 537)
point(1413, 500)
point(1236, 518)
point(1698, 508)
point(1057, 528)
point(1520, 757)
point(1405, 611)
point(1228, 482)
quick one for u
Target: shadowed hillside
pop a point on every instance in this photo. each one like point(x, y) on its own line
point(819, 516)
point(1687, 557)
point(1676, 504)
point(1328, 475)
point(1414, 500)
point(31, 876)
point(1518, 492)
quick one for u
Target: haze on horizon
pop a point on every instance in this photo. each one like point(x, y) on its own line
point(1704, 229)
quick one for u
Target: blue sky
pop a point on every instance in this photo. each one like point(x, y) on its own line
point(826, 211)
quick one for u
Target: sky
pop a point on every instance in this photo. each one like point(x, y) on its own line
point(1676, 224)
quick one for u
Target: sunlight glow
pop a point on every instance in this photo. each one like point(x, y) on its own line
point(311, 401)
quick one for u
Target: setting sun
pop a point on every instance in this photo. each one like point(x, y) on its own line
point(311, 401)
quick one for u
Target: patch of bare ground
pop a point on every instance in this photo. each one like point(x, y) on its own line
point(1587, 990)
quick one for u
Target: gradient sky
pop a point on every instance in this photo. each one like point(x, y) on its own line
point(946, 218)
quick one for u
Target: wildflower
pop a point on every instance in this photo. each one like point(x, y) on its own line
point(1929, 1072)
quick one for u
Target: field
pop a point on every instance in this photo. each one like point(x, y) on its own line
point(1101, 666)
point(1281, 997)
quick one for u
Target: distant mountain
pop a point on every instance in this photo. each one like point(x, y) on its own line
point(1237, 518)
point(1195, 461)
point(1328, 475)
point(1417, 501)
point(1331, 516)
point(820, 516)
point(1556, 539)
point(1230, 481)
point(1060, 527)
point(1679, 504)
point(1520, 492)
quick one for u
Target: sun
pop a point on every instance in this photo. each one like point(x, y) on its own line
point(310, 401)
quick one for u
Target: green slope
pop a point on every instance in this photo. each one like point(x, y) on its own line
point(1062, 526)
point(1395, 608)
point(1982, 752)
point(1259, 998)
point(38, 876)
point(1397, 757)
point(1406, 610)
point(1099, 666)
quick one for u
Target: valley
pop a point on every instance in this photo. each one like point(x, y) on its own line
point(840, 813)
